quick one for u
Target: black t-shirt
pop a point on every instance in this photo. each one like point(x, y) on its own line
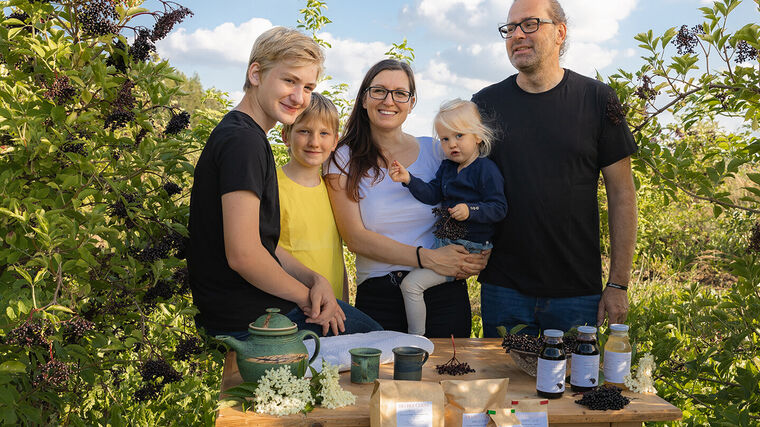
point(551, 148)
point(236, 157)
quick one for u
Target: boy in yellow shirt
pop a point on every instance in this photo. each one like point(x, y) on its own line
point(307, 226)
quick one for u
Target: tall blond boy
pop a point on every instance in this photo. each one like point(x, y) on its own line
point(307, 226)
point(236, 269)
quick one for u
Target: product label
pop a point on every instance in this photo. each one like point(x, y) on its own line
point(616, 366)
point(475, 419)
point(550, 375)
point(414, 414)
point(584, 370)
point(533, 419)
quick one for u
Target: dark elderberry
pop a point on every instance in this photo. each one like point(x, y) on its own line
point(188, 347)
point(171, 188)
point(447, 227)
point(122, 107)
point(162, 289)
point(686, 40)
point(603, 398)
point(454, 366)
point(76, 148)
point(96, 17)
point(745, 52)
point(178, 123)
point(167, 21)
point(147, 392)
point(60, 90)
point(53, 375)
point(119, 208)
point(117, 58)
point(181, 278)
point(76, 328)
point(154, 369)
point(28, 334)
point(615, 112)
point(142, 46)
point(646, 91)
point(754, 240)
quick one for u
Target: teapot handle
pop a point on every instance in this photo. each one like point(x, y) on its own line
point(304, 333)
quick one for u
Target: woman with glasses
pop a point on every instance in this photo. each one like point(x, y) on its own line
point(389, 230)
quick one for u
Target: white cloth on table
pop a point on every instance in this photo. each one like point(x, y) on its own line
point(334, 349)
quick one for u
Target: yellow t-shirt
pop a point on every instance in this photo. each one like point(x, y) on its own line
point(308, 230)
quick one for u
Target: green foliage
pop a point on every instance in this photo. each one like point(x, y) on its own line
point(95, 171)
point(401, 51)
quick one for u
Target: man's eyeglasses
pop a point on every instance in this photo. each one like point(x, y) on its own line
point(380, 93)
point(527, 26)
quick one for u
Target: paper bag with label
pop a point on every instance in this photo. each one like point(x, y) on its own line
point(406, 403)
point(468, 400)
point(532, 412)
point(503, 417)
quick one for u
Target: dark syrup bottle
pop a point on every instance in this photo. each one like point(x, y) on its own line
point(584, 369)
point(550, 372)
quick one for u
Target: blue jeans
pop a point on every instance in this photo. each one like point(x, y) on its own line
point(472, 247)
point(356, 322)
point(507, 307)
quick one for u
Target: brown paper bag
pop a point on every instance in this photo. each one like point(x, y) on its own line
point(532, 412)
point(406, 403)
point(503, 417)
point(468, 400)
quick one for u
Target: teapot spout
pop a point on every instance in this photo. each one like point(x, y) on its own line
point(234, 343)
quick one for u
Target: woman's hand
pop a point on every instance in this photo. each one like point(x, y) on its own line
point(448, 260)
point(399, 173)
point(324, 309)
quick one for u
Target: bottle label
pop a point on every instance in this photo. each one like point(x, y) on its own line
point(584, 370)
point(550, 375)
point(616, 366)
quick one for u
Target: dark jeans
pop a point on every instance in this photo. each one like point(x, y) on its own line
point(507, 307)
point(448, 305)
point(356, 322)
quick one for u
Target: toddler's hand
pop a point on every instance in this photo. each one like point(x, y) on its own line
point(460, 212)
point(399, 173)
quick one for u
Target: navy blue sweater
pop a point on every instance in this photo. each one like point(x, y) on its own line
point(479, 185)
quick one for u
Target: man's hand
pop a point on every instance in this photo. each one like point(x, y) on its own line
point(460, 212)
point(614, 304)
point(399, 173)
point(324, 309)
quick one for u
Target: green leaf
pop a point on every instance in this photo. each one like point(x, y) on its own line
point(13, 367)
point(60, 308)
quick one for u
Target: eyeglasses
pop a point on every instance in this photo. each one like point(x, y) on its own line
point(380, 93)
point(527, 26)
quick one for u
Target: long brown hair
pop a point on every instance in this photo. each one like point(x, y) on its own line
point(358, 135)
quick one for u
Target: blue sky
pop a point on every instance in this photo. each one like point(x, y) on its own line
point(457, 48)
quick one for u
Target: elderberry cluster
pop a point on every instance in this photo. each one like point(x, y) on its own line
point(171, 188)
point(178, 123)
point(153, 369)
point(76, 328)
point(96, 17)
point(188, 347)
point(28, 334)
point(142, 46)
point(53, 375)
point(73, 147)
point(167, 21)
point(182, 278)
point(615, 111)
point(686, 40)
point(118, 57)
point(603, 398)
point(121, 107)
point(162, 289)
point(119, 209)
point(447, 227)
point(646, 91)
point(60, 90)
point(147, 392)
point(745, 52)
point(454, 367)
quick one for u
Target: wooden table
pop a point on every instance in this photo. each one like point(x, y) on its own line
point(489, 360)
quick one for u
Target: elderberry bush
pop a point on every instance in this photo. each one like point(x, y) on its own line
point(604, 398)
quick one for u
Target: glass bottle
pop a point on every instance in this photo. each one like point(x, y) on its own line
point(584, 369)
point(617, 356)
point(551, 369)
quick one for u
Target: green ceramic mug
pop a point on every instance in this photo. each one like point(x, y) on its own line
point(365, 364)
point(407, 363)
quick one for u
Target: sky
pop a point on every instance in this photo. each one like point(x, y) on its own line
point(456, 44)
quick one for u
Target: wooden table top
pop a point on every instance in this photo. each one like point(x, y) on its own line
point(489, 360)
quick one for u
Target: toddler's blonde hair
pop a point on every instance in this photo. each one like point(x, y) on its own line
point(463, 116)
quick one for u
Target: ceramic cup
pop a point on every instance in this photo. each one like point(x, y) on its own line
point(365, 364)
point(407, 363)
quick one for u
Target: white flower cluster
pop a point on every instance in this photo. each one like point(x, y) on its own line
point(280, 393)
point(642, 382)
point(333, 396)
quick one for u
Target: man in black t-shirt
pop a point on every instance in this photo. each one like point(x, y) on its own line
point(237, 270)
point(558, 130)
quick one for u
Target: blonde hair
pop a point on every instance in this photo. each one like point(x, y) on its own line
point(463, 117)
point(320, 108)
point(284, 44)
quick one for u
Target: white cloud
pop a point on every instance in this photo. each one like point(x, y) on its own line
point(227, 44)
point(595, 21)
point(586, 58)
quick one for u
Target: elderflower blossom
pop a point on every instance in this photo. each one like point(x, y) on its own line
point(642, 382)
point(333, 396)
point(280, 393)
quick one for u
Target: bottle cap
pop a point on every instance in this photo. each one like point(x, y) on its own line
point(619, 327)
point(587, 329)
point(553, 333)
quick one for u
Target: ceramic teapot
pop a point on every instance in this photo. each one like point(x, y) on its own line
point(275, 341)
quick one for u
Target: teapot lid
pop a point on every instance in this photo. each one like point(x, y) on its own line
point(272, 323)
